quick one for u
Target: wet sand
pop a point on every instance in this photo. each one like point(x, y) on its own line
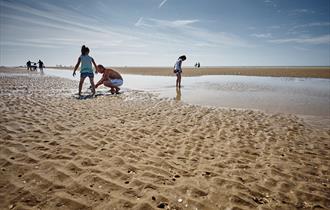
point(315, 72)
point(135, 151)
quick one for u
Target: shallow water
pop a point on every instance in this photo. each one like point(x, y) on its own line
point(303, 96)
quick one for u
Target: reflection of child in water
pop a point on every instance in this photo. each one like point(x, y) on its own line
point(86, 69)
point(178, 70)
point(178, 94)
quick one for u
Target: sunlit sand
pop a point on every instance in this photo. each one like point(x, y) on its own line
point(138, 151)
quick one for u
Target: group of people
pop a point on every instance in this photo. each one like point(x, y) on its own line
point(197, 65)
point(32, 66)
point(110, 78)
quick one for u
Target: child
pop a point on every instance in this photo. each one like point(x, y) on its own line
point(86, 69)
point(178, 70)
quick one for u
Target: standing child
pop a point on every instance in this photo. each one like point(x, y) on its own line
point(178, 70)
point(86, 69)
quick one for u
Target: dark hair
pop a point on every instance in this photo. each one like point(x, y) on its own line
point(84, 50)
point(183, 57)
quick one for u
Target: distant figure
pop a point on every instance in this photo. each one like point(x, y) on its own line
point(41, 65)
point(110, 78)
point(178, 70)
point(86, 69)
point(198, 65)
point(33, 66)
point(28, 65)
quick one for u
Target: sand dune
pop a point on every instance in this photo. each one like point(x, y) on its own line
point(134, 151)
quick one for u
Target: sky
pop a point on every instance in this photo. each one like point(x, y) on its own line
point(157, 32)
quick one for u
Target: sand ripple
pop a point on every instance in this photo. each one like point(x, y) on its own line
point(134, 151)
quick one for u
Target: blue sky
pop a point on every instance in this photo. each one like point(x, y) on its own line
point(156, 32)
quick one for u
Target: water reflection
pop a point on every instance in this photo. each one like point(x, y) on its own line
point(178, 94)
point(307, 96)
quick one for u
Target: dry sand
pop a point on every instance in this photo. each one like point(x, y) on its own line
point(315, 72)
point(134, 151)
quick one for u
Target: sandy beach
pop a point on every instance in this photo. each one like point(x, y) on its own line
point(136, 151)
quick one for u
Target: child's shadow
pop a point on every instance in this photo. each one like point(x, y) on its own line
point(98, 94)
point(106, 93)
point(84, 97)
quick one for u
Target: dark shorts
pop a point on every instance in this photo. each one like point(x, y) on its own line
point(84, 75)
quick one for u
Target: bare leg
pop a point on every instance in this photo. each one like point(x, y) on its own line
point(110, 85)
point(112, 90)
point(91, 79)
point(82, 79)
point(178, 80)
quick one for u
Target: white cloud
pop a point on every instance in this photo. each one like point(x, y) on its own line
point(28, 44)
point(301, 12)
point(171, 24)
point(316, 24)
point(268, 35)
point(185, 32)
point(162, 3)
point(54, 14)
point(270, 2)
point(325, 39)
point(139, 22)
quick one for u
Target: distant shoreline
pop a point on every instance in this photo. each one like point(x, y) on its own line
point(273, 71)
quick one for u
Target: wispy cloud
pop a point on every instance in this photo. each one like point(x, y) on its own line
point(28, 44)
point(271, 3)
point(65, 22)
point(65, 17)
point(316, 24)
point(325, 39)
point(162, 3)
point(301, 48)
point(301, 12)
point(139, 22)
point(187, 31)
point(268, 35)
point(307, 28)
point(170, 24)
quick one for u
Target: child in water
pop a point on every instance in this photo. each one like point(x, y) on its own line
point(86, 69)
point(178, 70)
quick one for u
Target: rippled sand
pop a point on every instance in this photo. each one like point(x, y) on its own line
point(134, 151)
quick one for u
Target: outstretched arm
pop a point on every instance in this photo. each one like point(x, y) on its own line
point(100, 82)
point(94, 66)
point(76, 67)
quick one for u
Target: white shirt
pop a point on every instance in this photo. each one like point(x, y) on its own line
point(177, 65)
